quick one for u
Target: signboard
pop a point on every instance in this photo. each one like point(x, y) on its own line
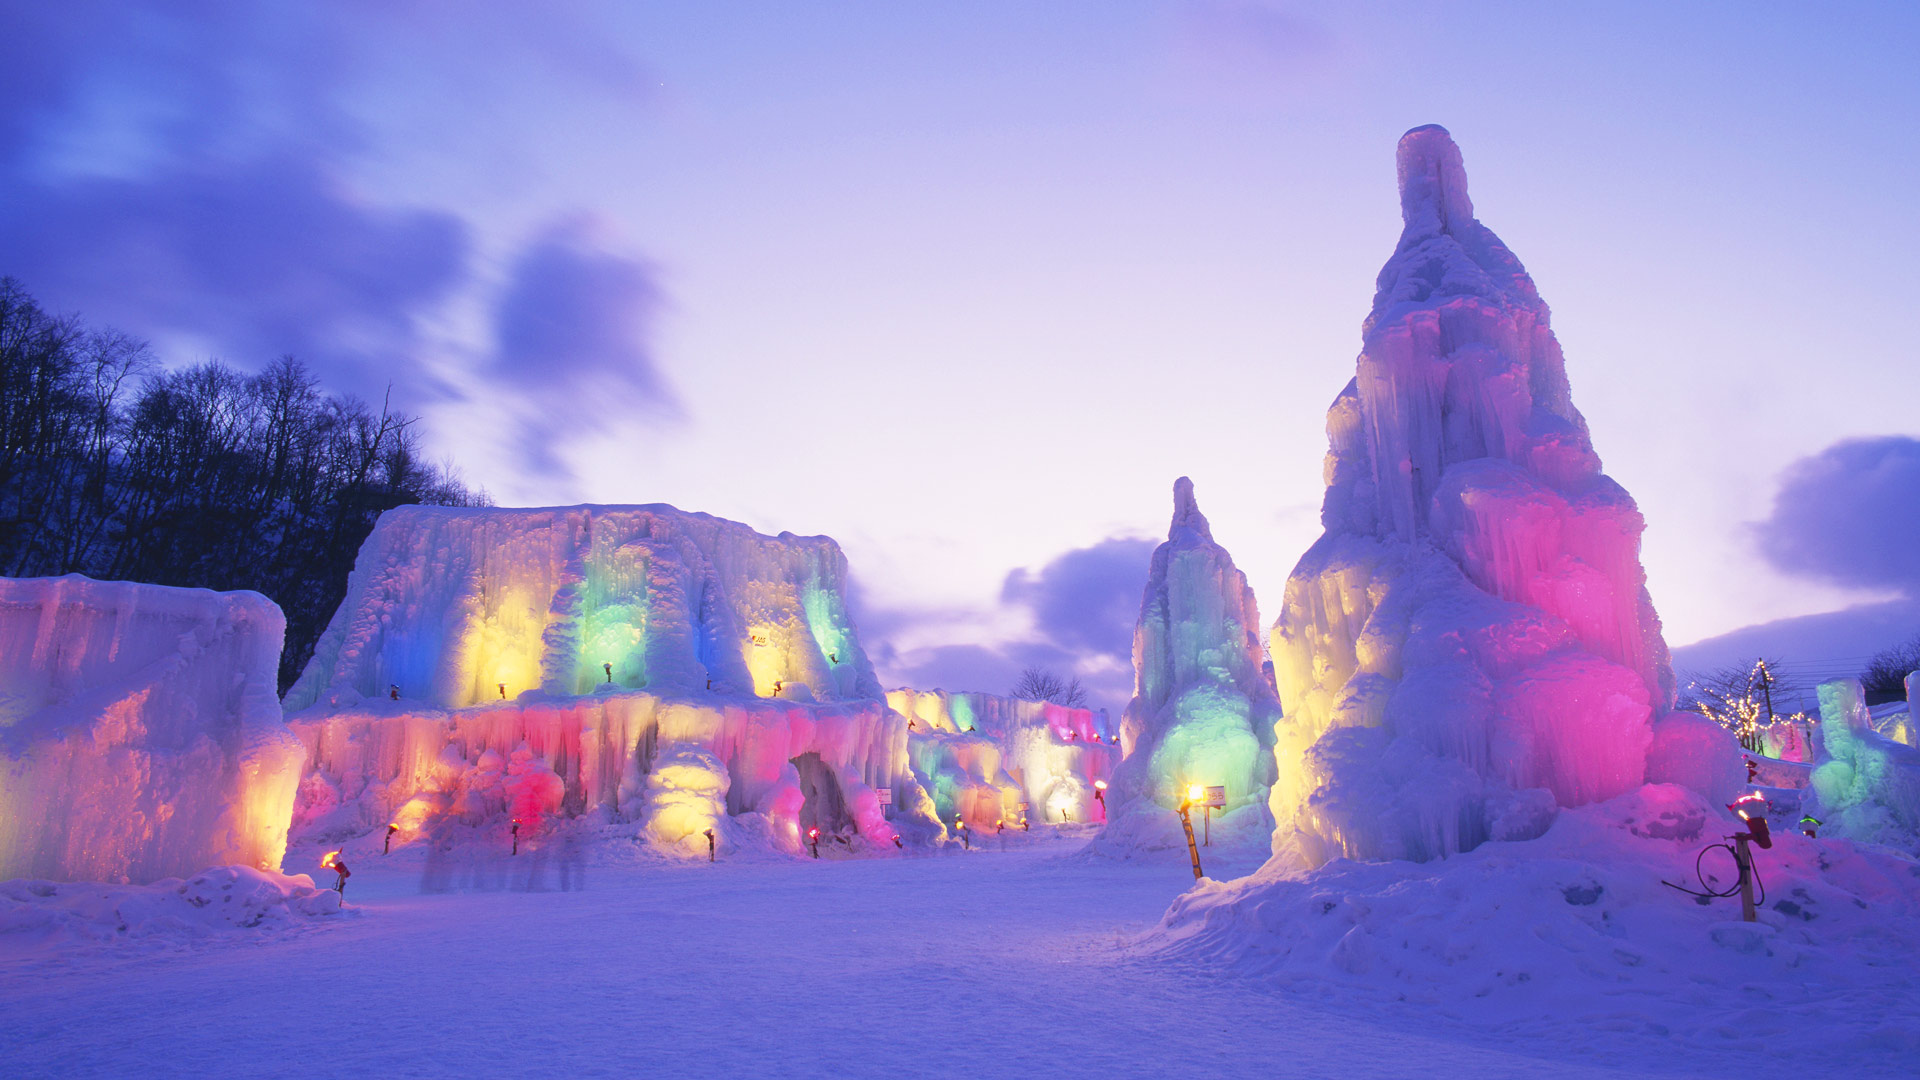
point(1216, 797)
point(886, 796)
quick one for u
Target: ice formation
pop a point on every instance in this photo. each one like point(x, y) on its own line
point(648, 665)
point(1204, 707)
point(1470, 643)
point(140, 731)
point(1867, 786)
point(991, 760)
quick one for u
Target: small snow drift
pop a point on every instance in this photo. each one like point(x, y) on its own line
point(1470, 644)
point(223, 899)
point(1204, 707)
point(140, 731)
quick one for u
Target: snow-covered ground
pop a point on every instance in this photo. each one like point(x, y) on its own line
point(1027, 960)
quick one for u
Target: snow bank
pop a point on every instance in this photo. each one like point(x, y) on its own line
point(1204, 706)
point(1575, 930)
point(213, 902)
point(140, 732)
point(988, 759)
point(1470, 644)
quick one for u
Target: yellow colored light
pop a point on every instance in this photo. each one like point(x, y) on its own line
point(1195, 792)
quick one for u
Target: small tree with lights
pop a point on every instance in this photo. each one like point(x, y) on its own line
point(1740, 700)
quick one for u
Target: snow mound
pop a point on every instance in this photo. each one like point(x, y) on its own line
point(214, 902)
point(1574, 929)
point(140, 730)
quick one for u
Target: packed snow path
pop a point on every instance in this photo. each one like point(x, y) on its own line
point(991, 963)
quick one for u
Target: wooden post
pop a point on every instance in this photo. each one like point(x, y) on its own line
point(1186, 822)
point(1745, 857)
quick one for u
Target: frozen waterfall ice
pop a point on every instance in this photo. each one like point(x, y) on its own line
point(1470, 643)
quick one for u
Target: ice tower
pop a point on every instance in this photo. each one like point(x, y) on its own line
point(1203, 708)
point(1470, 643)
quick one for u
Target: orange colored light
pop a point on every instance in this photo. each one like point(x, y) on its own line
point(329, 859)
point(1195, 792)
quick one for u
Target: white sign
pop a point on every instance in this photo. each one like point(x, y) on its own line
point(1216, 796)
point(886, 796)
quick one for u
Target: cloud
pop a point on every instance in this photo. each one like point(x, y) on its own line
point(1088, 599)
point(1077, 612)
point(179, 172)
point(575, 323)
point(1850, 515)
point(268, 258)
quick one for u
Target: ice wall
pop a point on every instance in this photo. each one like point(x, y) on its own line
point(140, 732)
point(450, 604)
point(406, 763)
point(982, 757)
point(1470, 643)
point(1203, 709)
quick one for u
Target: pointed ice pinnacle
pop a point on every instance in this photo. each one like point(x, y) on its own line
point(1186, 513)
point(1433, 182)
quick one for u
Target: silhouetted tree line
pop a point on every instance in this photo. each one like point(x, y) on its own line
point(113, 467)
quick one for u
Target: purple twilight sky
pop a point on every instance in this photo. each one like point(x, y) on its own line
point(967, 286)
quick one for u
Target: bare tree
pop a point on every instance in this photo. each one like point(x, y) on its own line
point(1885, 676)
point(1039, 684)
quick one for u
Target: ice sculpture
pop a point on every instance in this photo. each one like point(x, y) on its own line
point(1868, 786)
point(1203, 708)
point(1470, 643)
point(140, 731)
point(649, 665)
point(580, 650)
point(988, 760)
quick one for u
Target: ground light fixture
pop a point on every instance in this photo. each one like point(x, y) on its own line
point(1100, 795)
point(813, 838)
point(516, 837)
point(503, 690)
point(609, 667)
point(708, 833)
point(387, 848)
point(332, 861)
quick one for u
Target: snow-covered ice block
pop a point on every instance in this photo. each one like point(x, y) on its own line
point(140, 731)
point(1695, 752)
point(461, 606)
point(1477, 600)
point(1203, 707)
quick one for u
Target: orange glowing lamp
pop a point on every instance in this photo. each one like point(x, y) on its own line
point(1100, 785)
point(327, 860)
point(1195, 793)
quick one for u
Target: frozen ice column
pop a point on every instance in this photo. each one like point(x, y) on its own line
point(140, 731)
point(1470, 643)
point(1203, 709)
